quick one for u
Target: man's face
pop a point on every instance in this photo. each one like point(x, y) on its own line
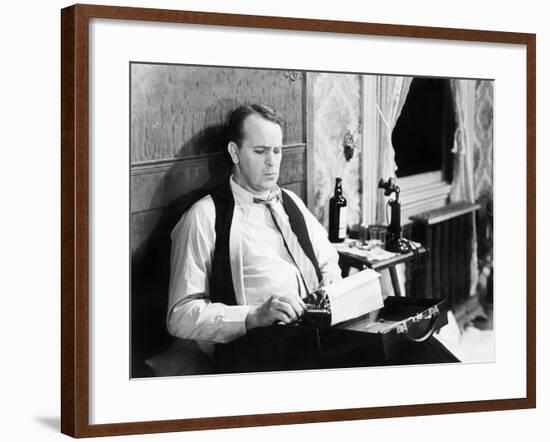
point(259, 155)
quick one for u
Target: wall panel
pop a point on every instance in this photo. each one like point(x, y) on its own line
point(178, 153)
point(178, 110)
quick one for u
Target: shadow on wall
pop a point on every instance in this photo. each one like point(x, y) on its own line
point(150, 272)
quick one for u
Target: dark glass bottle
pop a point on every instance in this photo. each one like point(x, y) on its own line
point(337, 223)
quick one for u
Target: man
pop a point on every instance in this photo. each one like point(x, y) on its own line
point(244, 256)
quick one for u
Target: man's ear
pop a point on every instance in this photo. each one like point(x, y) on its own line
point(233, 149)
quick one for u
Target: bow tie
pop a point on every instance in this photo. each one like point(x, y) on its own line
point(274, 195)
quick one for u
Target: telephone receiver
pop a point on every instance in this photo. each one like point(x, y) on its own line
point(394, 240)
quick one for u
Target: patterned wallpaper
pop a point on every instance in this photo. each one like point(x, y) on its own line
point(483, 146)
point(337, 109)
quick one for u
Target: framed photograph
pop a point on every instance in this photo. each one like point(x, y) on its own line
point(272, 220)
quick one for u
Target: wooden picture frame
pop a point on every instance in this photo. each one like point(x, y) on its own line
point(75, 219)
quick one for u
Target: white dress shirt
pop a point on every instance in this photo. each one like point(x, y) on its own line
point(261, 266)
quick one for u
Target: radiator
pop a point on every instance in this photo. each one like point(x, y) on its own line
point(447, 233)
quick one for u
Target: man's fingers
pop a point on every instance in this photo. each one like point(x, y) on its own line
point(296, 303)
point(286, 308)
point(279, 316)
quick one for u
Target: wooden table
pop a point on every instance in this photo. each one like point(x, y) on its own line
point(349, 257)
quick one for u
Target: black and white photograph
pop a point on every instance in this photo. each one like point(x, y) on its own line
point(308, 220)
point(271, 221)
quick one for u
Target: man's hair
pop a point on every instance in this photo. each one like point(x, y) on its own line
point(235, 122)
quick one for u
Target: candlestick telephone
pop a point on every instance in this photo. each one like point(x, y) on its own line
point(394, 239)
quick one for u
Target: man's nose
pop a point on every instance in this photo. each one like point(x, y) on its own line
point(270, 158)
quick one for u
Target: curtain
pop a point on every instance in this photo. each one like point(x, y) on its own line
point(462, 188)
point(391, 95)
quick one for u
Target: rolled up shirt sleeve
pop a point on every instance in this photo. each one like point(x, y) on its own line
point(203, 320)
point(191, 314)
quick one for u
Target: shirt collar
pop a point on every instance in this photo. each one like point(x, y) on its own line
point(245, 199)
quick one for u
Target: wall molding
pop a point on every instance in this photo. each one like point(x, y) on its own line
point(369, 154)
point(158, 183)
point(170, 164)
point(309, 106)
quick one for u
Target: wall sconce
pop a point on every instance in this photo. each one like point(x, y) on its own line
point(349, 145)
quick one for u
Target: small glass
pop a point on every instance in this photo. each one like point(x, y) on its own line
point(376, 236)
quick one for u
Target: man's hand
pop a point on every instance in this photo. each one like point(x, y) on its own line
point(278, 308)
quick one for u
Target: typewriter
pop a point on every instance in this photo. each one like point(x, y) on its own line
point(317, 312)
